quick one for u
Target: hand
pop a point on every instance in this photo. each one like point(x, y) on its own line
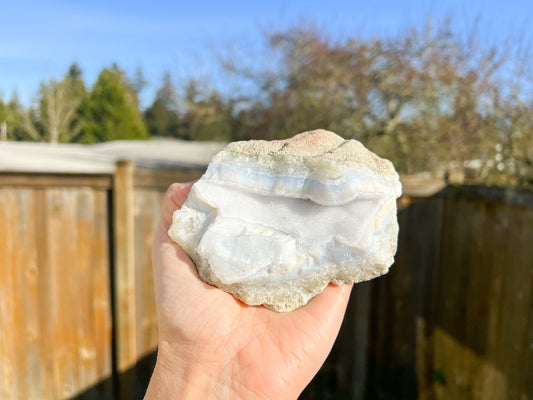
point(212, 346)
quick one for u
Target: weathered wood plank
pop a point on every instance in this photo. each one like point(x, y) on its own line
point(124, 265)
point(23, 318)
point(450, 362)
point(487, 194)
point(156, 179)
point(101, 307)
point(516, 303)
point(496, 266)
point(35, 180)
point(147, 207)
point(64, 289)
point(85, 221)
point(9, 370)
point(484, 380)
point(420, 251)
point(24, 241)
point(17, 307)
point(47, 321)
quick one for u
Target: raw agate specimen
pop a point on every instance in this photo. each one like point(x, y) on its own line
point(275, 222)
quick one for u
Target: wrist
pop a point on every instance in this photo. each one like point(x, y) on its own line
point(175, 377)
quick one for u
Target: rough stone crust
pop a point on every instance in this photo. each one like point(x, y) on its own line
point(291, 295)
point(318, 150)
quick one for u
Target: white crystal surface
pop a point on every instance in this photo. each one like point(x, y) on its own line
point(274, 223)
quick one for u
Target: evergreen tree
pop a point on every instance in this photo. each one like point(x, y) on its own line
point(3, 121)
point(111, 110)
point(74, 79)
point(139, 81)
point(3, 111)
point(16, 118)
point(162, 116)
point(74, 72)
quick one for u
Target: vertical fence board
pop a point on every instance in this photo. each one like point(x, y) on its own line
point(61, 214)
point(124, 249)
point(47, 321)
point(148, 208)
point(496, 267)
point(102, 296)
point(449, 362)
point(9, 387)
point(516, 303)
point(18, 274)
point(476, 301)
point(29, 275)
point(85, 219)
point(489, 381)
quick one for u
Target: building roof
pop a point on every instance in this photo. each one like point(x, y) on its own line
point(172, 154)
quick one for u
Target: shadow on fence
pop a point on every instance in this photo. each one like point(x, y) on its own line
point(131, 384)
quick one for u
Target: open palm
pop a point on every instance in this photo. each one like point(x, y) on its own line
point(248, 351)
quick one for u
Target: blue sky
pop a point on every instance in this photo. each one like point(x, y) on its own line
point(40, 39)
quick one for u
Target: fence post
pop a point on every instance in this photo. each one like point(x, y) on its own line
point(124, 266)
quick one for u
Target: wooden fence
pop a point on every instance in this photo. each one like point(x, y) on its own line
point(453, 318)
point(77, 315)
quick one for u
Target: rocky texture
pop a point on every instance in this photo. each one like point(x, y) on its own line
point(275, 222)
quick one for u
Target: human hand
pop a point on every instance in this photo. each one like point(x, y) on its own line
point(211, 345)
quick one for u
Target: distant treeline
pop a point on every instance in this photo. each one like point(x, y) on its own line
point(429, 99)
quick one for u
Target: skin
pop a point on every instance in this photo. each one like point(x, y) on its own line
point(213, 346)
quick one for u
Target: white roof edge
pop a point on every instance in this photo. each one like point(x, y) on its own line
point(101, 158)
